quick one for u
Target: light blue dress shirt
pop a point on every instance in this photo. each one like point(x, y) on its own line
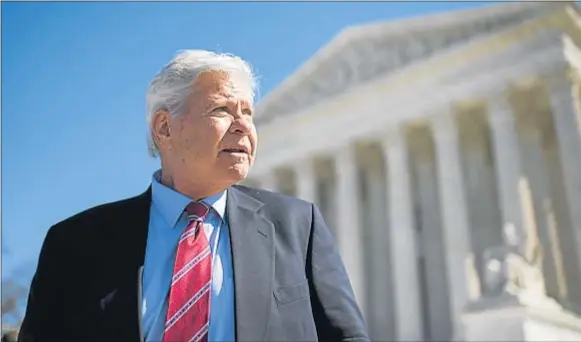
point(166, 223)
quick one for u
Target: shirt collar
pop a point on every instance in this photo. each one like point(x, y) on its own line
point(171, 204)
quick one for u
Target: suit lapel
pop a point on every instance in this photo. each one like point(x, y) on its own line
point(253, 256)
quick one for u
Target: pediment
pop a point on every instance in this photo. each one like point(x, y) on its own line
point(361, 54)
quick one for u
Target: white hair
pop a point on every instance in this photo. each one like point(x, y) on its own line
point(170, 88)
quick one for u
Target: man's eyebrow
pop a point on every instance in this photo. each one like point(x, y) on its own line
point(213, 101)
point(220, 101)
point(209, 105)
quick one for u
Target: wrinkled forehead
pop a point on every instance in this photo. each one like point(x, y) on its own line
point(224, 85)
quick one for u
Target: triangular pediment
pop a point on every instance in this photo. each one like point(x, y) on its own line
point(361, 54)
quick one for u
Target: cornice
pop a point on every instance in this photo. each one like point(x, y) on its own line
point(309, 132)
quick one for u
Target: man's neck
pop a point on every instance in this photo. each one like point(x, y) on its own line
point(188, 188)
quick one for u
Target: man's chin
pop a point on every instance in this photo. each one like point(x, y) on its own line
point(236, 173)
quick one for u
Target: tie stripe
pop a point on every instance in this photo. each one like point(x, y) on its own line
point(201, 333)
point(187, 306)
point(187, 234)
point(189, 299)
point(178, 275)
point(194, 217)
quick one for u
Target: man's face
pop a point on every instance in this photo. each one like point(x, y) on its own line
point(215, 138)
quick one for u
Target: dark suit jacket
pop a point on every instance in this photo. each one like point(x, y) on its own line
point(290, 283)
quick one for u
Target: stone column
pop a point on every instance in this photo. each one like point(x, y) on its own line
point(402, 239)
point(306, 179)
point(564, 91)
point(508, 165)
point(348, 223)
point(454, 216)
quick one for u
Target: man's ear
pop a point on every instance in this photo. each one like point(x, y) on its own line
point(160, 127)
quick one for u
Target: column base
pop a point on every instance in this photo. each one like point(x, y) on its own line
point(507, 318)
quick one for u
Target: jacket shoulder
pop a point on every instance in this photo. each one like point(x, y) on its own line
point(97, 215)
point(275, 199)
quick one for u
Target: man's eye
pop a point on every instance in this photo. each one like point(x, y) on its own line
point(220, 110)
point(247, 112)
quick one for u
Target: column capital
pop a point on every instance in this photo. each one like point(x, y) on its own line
point(564, 91)
point(345, 153)
point(303, 161)
point(499, 108)
point(563, 80)
point(444, 126)
point(574, 74)
point(393, 136)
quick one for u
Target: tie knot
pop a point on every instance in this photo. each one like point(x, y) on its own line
point(197, 211)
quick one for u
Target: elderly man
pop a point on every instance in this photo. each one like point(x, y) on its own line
point(195, 257)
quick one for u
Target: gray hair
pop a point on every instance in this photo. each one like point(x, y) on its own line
point(170, 88)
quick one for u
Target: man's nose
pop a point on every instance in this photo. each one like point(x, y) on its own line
point(242, 124)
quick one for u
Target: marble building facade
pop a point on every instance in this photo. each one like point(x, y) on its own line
point(423, 142)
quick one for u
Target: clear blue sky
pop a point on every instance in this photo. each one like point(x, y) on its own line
point(73, 83)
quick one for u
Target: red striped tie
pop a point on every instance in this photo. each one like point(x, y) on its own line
point(189, 296)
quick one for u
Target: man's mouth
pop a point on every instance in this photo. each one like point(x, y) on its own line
point(234, 150)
